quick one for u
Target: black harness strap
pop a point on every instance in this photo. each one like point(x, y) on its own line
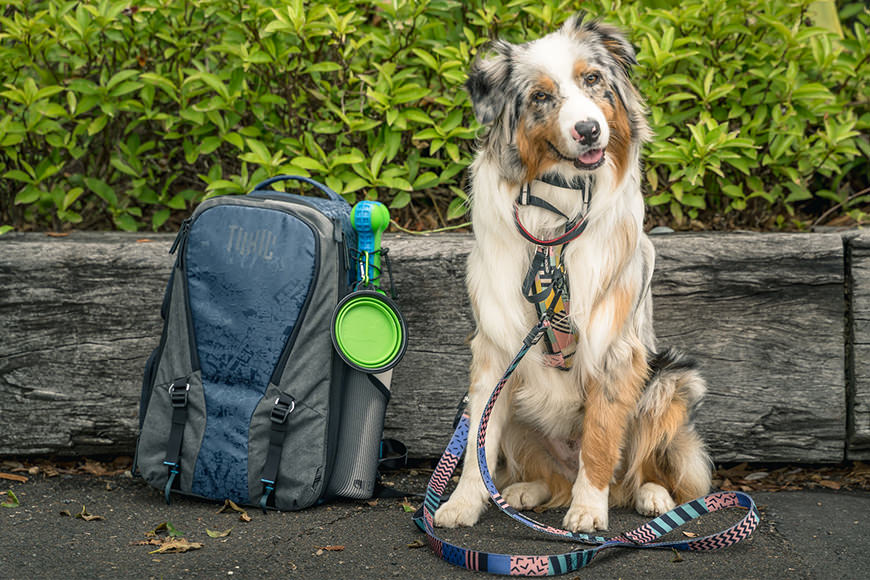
point(545, 284)
point(573, 227)
point(178, 395)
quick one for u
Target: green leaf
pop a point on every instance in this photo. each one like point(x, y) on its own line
point(401, 199)
point(121, 166)
point(28, 195)
point(126, 222)
point(177, 202)
point(426, 180)
point(166, 85)
point(346, 159)
point(322, 67)
point(11, 499)
point(457, 208)
point(260, 151)
point(159, 218)
point(97, 125)
point(71, 196)
point(173, 532)
point(18, 175)
point(660, 199)
point(213, 81)
point(397, 183)
point(103, 190)
point(119, 78)
point(125, 88)
point(309, 163)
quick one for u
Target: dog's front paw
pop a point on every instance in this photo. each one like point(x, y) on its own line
point(585, 518)
point(459, 512)
point(653, 500)
point(526, 495)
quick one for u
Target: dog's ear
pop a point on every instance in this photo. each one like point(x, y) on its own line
point(487, 83)
point(620, 48)
point(612, 38)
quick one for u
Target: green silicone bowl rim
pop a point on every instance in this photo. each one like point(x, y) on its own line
point(395, 325)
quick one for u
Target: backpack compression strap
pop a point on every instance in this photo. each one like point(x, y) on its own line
point(178, 396)
point(644, 536)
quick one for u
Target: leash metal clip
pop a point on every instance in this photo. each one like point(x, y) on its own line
point(537, 331)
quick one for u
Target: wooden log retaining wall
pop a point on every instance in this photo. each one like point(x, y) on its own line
point(780, 324)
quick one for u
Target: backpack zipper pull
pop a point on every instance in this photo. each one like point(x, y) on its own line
point(182, 235)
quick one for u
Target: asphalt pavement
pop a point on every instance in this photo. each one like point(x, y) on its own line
point(803, 534)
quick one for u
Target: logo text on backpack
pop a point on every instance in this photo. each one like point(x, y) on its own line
point(246, 243)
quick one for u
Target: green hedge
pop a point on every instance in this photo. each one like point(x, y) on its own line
point(129, 113)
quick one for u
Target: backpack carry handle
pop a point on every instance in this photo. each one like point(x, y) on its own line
point(329, 193)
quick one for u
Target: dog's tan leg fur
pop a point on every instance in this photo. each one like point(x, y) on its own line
point(607, 410)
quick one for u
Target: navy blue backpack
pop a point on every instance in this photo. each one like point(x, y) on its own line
point(245, 397)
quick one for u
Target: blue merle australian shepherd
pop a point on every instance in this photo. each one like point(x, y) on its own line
point(596, 416)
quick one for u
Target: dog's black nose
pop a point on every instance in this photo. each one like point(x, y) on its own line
point(587, 131)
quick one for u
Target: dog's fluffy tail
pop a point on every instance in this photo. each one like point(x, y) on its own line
point(672, 376)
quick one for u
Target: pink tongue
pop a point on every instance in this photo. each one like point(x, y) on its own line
point(591, 157)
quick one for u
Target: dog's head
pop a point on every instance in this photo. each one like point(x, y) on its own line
point(561, 103)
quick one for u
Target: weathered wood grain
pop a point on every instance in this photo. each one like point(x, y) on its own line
point(859, 334)
point(763, 314)
point(79, 316)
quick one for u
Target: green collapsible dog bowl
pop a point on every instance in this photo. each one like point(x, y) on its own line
point(369, 332)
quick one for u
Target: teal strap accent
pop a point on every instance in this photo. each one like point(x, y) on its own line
point(173, 471)
point(267, 491)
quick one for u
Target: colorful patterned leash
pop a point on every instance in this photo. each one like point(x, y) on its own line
point(514, 565)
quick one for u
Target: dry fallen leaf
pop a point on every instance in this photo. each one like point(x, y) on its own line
point(84, 515)
point(176, 546)
point(330, 548)
point(216, 534)
point(94, 467)
point(49, 471)
point(690, 534)
point(65, 513)
point(151, 542)
point(230, 505)
point(417, 544)
point(13, 477)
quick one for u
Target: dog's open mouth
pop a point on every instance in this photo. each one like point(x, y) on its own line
point(592, 159)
